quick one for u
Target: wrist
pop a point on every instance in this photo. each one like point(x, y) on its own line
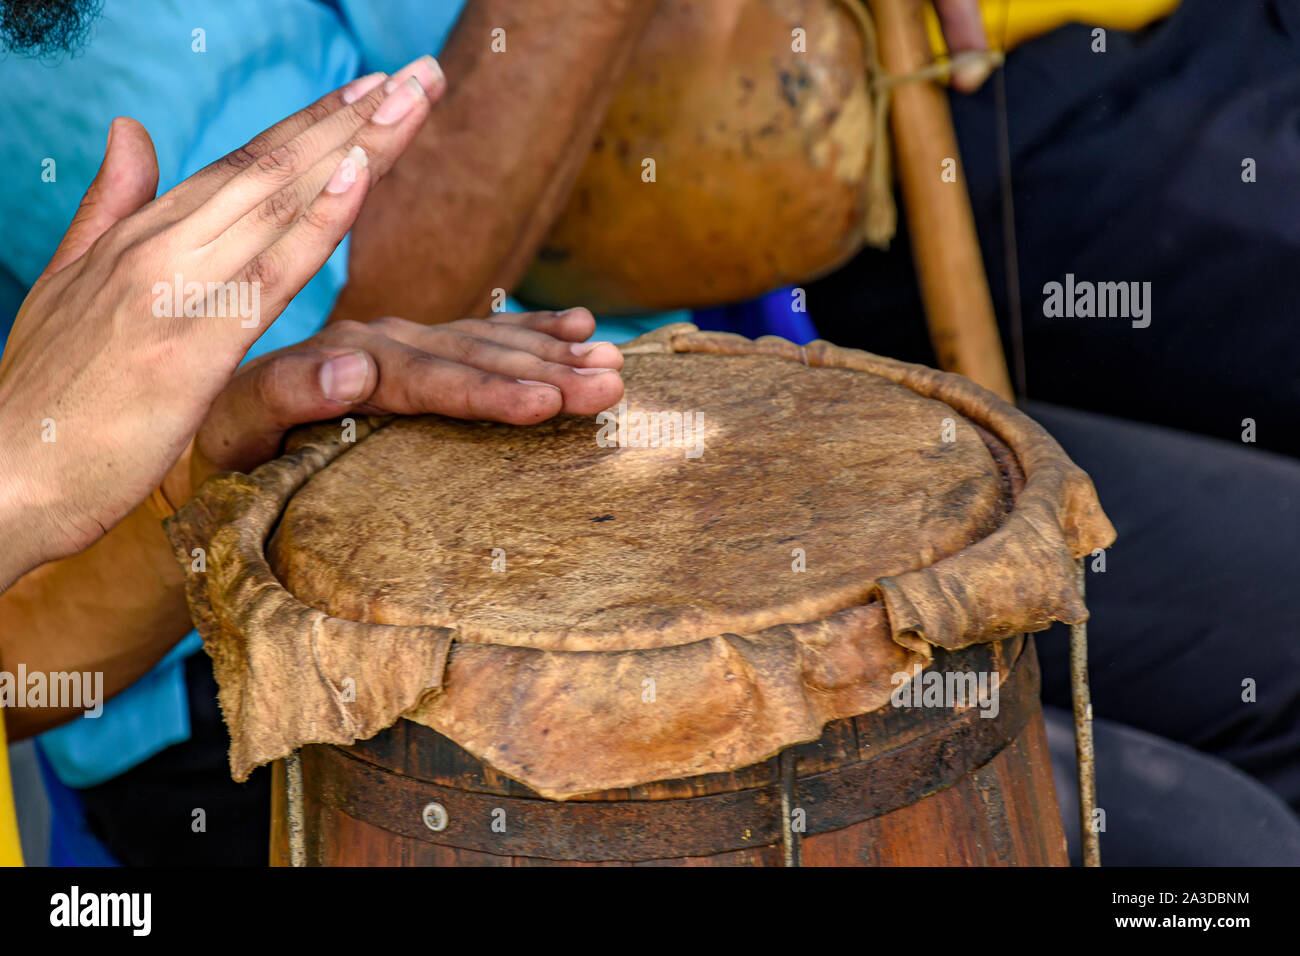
point(21, 535)
point(177, 485)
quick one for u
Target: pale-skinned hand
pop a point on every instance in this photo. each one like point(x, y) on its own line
point(100, 388)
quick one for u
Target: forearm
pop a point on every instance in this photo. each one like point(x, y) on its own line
point(116, 608)
point(465, 210)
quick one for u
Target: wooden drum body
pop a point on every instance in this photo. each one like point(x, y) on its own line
point(896, 787)
point(769, 609)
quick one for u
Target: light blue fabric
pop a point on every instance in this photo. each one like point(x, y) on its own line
point(262, 61)
point(155, 715)
point(391, 33)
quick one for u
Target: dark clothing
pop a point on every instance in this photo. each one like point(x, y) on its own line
point(1201, 592)
point(1127, 166)
point(1167, 805)
point(146, 816)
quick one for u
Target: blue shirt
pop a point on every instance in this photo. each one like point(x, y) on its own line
point(203, 78)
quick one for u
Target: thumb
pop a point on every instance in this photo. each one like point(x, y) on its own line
point(247, 422)
point(127, 179)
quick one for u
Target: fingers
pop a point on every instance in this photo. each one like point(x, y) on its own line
point(196, 190)
point(585, 389)
point(199, 188)
point(276, 274)
point(443, 374)
point(278, 248)
point(546, 347)
point(264, 200)
point(413, 382)
point(963, 30)
point(127, 179)
point(248, 420)
point(572, 325)
point(519, 335)
point(473, 369)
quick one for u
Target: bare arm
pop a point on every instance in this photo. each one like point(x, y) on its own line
point(115, 608)
point(465, 210)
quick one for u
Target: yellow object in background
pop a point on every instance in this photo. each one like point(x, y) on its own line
point(11, 852)
point(1026, 19)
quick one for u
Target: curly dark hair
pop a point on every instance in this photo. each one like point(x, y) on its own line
point(43, 27)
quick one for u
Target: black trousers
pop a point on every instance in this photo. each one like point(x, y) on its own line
point(1199, 604)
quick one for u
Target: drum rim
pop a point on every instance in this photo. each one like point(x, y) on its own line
point(1020, 578)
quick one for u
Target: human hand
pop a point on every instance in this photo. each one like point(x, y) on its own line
point(963, 31)
point(102, 383)
point(519, 369)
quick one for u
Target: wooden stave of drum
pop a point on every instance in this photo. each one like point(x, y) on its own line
point(895, 787)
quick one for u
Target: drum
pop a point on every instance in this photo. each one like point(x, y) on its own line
point(769, 609)
point(735, 157)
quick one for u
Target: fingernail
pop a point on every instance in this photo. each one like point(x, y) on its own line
point(586, 348)
point(400, 102)
point(361, 86)
point(343, 378)
point(576, 308)
point(426, 71)
point(594, 371)
point(524, 381)
point(348, 171)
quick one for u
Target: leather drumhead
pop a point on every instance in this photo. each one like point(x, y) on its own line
point(568, 536)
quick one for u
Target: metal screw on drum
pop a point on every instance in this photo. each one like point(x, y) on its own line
point(435, 817)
